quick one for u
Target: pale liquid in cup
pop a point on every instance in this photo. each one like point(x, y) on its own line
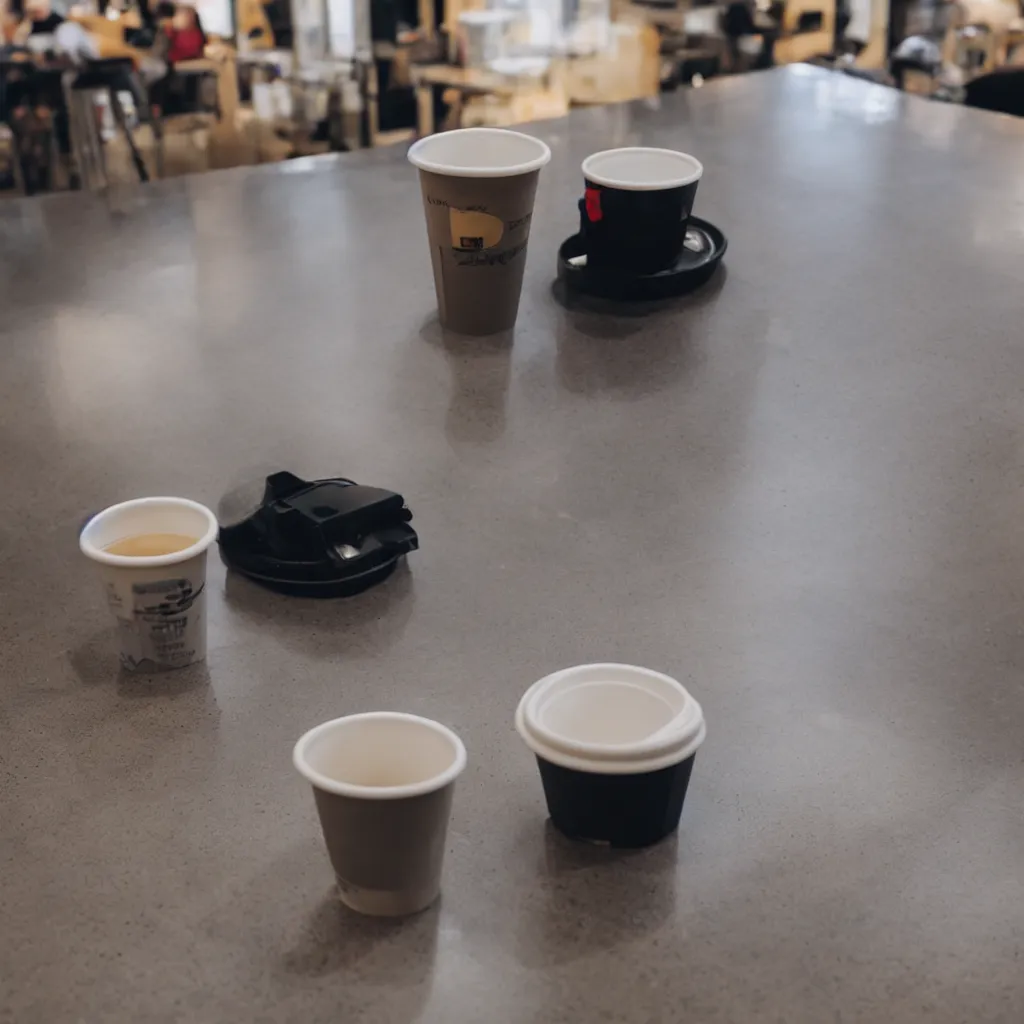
point(147, 545)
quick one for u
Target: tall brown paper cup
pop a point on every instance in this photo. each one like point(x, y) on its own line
point(383, 785)
point(478, 189)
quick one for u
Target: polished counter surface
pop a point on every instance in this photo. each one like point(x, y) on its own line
point(800, 491)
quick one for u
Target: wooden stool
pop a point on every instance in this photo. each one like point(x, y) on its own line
point(111, 77)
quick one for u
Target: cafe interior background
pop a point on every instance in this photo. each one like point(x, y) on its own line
point(95, 93)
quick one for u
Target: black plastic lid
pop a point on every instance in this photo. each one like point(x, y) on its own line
point(325, 538)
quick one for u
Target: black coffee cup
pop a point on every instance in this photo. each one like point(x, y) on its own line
point(615, 745)
point(637, 203)
point(625, 811)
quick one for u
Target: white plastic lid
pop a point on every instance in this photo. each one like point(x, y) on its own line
point(610, 719)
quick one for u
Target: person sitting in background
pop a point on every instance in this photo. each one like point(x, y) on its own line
point(743, 36)
point(32, 99)
point(73, 42)
point(181, 38)
point(738, 19)
point(185, 36)
point(40, 20)
point(9, 22)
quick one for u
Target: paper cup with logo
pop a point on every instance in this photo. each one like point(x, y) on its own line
point(478, 189)
point(383, 785)
point(615, 745)
point(636, 206)
point(159, 601)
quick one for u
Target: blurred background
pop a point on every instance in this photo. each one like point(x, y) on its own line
point(134, 90)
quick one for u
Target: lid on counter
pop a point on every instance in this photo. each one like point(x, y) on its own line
point(610, 719)
point(321, 538)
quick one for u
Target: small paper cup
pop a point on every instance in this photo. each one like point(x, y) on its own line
point(383, 785)
point(642, 169)
point(159, 601)
point(615, 745)
point(636, 207)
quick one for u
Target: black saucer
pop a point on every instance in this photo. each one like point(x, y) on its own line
point(703, 250)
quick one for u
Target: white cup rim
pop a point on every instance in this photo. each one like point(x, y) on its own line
point(350, 789)
point(419, 155)
point(98, 554)
point(669, 746)
point(694, 169)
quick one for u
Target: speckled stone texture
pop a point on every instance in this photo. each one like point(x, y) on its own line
point(800, 491)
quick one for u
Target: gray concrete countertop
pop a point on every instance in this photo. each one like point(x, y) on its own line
point(800, 491)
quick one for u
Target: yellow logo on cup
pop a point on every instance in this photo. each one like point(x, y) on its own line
point(473, 230)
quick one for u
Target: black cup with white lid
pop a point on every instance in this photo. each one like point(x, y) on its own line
point(634, 213)
point(615, 745)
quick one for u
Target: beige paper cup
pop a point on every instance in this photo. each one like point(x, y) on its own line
point(478, 189)
point(159, 601)
point(383, 785)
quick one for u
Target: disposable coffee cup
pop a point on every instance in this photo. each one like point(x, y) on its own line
point(158, 600)
point(478, 189)
point(383, 785)
point(636, 206)
point(615, 745)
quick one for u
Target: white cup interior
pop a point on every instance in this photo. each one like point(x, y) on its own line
point(148, 515)
point(479, 153)
point(380, 755)
point(639, 168)
point(609, 717)
point(608, 713)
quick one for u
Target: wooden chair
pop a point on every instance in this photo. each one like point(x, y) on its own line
point(110, 78)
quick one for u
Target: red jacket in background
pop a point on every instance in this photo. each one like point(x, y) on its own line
point(185, 44)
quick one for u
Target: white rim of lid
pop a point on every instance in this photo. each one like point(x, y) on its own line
point(678, 740)
point(690, 169)
point(99, 554)
point(419, 155)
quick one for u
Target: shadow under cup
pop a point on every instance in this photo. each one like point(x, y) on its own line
point(615, 745)
point(636, 207)
point(383, 785)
